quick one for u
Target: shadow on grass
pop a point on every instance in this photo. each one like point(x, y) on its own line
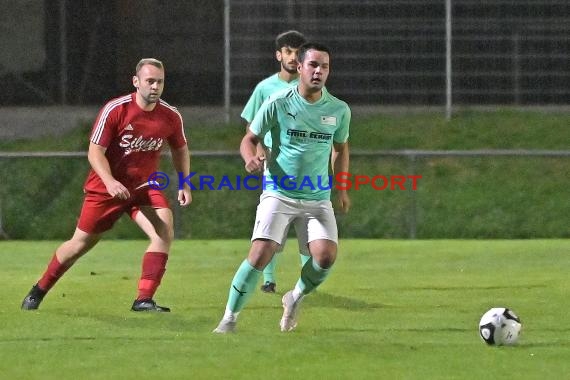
point(530, 345)
point(470, 287)
point(321, 299)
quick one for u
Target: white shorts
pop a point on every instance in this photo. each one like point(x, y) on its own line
point(300, 226)
point(275, 213)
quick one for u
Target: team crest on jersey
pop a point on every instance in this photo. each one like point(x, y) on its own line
point(328, 120)
point(139, 144)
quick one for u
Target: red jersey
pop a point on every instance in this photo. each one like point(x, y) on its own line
point(134, 138)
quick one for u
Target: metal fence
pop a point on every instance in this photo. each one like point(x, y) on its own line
point(384, 51)
point(394, 52)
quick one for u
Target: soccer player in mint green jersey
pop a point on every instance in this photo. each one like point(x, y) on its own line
point(286, 46)
point(305, 123)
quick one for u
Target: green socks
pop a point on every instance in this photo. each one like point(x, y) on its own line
point(242, 287)
point(269, 270)
point(312, 275)
point(304, 258)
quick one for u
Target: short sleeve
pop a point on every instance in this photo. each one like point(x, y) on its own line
point(105, 126)
point(253, 104)
point(341, 134)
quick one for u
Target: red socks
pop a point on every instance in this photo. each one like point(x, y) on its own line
point(153, 268)
point(53, 273)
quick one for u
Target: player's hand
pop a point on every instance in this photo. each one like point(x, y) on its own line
point(255, 164)
point(343, 201)
point(117, 190)
point(184, 197)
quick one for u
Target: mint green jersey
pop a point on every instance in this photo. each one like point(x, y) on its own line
point(262, 91)
point(302, 135)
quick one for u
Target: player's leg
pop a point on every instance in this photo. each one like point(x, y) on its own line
point(98, 214)
point(323, 240)
point(64, 257)
point(269, 282)
point(313, 273)
point(244, 282)
point(270, 225)
point(158, 225)
point(323, 237)
point(317, 268)
point(301, 230)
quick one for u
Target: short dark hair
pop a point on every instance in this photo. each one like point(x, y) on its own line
point(291, 38)
point(303, 49)
point(149, 61)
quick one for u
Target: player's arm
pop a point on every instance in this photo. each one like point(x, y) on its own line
point(341, 158)
point(248, 150)
point(181, 162)
point(259, 149)
point(100, 164)
point(334, 155)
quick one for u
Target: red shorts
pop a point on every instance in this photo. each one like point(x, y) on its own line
point(100, 211)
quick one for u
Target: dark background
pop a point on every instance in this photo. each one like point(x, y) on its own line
point(384, 52)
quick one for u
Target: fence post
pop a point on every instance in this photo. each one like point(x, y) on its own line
point(516, 68)
point(448, 72)
point(62, 53)
point(412, 216)
point(3, 234)
point(227, 69)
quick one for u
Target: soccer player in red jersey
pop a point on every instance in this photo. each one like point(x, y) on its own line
point(124, 152)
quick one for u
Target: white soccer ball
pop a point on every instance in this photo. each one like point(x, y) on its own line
point(500, 326)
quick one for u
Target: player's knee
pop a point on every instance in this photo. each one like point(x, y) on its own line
point(165, 232)
point(81, 246)
point(167, 235)
point(326, 261)
point(323, 252)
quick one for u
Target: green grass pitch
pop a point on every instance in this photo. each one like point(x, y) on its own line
point(389, 310)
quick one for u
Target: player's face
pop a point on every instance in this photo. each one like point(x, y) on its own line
point(149, 83)
point(288, 58)
point(314, 70)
